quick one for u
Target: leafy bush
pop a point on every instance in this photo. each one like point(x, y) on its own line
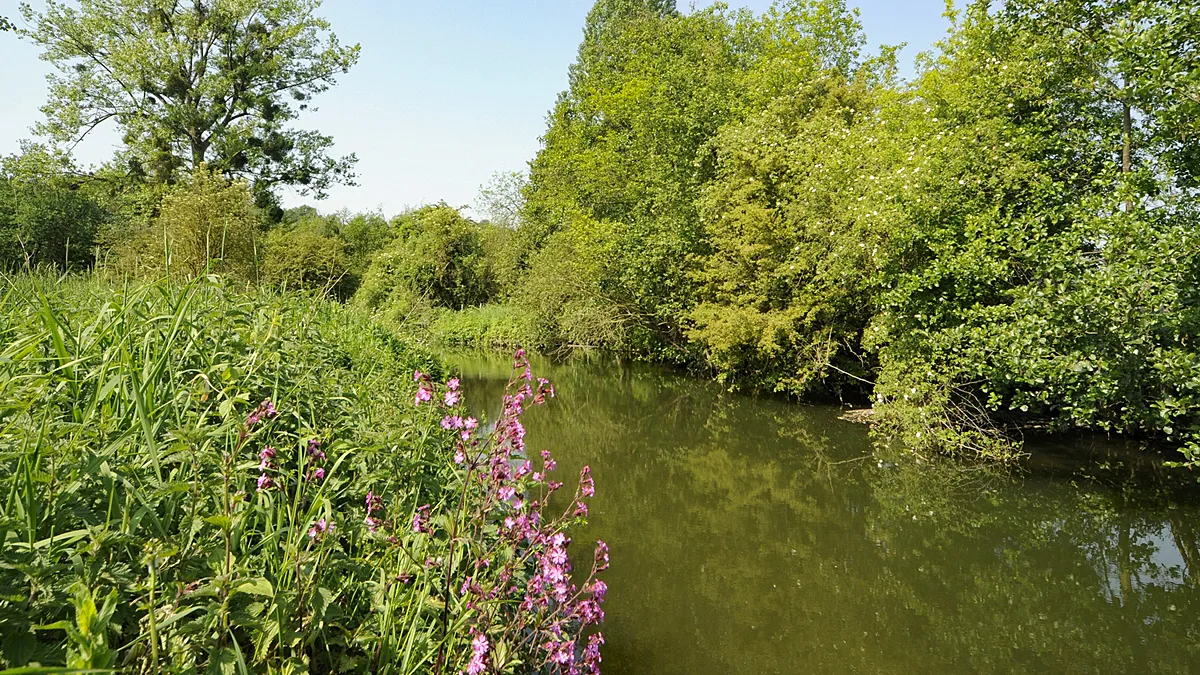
point(207, 480)
point(300, 259)
point(565, 291)
point(506, 326)
point(47, 216)
point(204, 225)
point(436, 260)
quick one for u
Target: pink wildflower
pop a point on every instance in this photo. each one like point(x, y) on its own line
point(320, 528)
point(479, 649)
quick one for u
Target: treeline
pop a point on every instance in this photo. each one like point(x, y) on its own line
point(1010, 238)
point(1007, 240)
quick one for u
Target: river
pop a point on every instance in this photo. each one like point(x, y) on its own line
point(756, 535)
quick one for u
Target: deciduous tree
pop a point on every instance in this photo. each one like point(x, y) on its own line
point(214, 82)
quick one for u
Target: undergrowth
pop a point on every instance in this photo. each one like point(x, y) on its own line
point(198, 479)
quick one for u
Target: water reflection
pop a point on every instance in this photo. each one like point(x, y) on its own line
point(755, 536)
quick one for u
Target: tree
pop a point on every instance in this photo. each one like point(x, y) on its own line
point(213, 82)
point(502, 198)
point(624, 157)
point(787, 285)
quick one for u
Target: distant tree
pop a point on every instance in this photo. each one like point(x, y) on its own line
point(205, 82)
point(502, 198)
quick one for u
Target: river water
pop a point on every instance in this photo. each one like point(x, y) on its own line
point(755, 535)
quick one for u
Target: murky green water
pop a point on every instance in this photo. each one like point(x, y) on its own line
point(751, 535)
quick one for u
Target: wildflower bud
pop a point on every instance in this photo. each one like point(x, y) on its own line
point(601, 556)
point(419, 523)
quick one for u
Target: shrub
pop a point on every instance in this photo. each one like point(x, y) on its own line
point(301, 259)
point(490, 327)
point(205, 224)
point(564, 291)
point(436, 260)
point(46, 215)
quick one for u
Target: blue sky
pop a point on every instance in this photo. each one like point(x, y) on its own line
point(445, 94)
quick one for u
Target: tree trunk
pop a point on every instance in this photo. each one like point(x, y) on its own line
point(1127, 148)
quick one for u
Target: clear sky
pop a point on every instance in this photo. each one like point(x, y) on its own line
point(446, 92)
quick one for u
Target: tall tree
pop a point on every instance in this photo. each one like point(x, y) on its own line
point(213, 82)
point(622, 161)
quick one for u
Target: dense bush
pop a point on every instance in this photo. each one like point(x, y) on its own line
point(205, 224)
point(505, 326)
point(436, 260)
point(301, 259)
point(202, 480)
point(47, 214)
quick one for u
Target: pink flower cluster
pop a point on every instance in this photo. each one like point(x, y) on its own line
point(528, 597)
point(264, 465)
point(315, 454)
point(265, 410)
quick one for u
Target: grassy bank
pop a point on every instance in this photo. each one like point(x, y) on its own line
point(195, 478)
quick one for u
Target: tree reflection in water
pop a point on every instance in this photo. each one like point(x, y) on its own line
point(753, 535)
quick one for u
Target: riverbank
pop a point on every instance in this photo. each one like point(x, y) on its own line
point(206, 477)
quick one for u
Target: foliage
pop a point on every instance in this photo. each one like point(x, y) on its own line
point(1031, 274)
point(205, 225)
point(623, 154)
point(788, 285)
point(495, 326)
point(1007, 240)
point(48, 216)
point(501, 200)
point(205, 82)
point(436, 260)
point(160, 520)
point(566, 295)
point(300, 259)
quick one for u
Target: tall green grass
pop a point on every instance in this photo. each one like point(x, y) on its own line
point(132, 533)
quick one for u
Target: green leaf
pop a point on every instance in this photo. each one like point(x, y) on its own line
point(256, 586)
